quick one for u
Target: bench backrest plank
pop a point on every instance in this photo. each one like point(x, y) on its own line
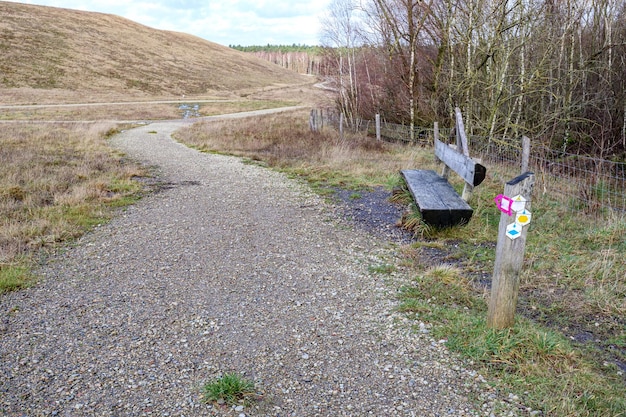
point(471, 171)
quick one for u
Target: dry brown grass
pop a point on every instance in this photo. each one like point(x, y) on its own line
point(49, 54)
point(56, 181)
point(285, 141)
point(93, 113)
point(131, 111)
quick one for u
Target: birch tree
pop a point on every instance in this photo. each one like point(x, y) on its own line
point(340, 33)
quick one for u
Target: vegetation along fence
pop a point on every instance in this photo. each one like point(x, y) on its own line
point(582, 183)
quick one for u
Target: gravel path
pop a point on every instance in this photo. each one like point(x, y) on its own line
point(231, 267)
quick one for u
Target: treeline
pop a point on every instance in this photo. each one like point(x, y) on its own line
point(301, 62)
point(553, 70)
point(303, 59)
point(276, 48)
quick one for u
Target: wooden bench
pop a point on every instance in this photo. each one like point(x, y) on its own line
point(438, 202)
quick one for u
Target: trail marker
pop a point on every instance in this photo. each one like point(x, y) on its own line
point(519, 203)
point(510, 251)
point(523, 217)
point(504, 204)
point(513, 231)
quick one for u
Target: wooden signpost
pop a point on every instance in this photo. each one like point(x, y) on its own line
point(516, 215)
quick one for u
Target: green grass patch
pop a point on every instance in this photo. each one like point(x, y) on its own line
point(14, 277)
point(384, 269)
point(555, 377)
point(229, 389)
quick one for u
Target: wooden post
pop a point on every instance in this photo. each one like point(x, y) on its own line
point(312, 120)
point(377, 126)
point(316, 120)
point(525, 153)
point(468, 190)
point(462, 146)
point(341, 126)
point(509, 259)
point(460, 131)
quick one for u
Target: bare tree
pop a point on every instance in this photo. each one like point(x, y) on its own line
point(551, 69)
point(401, 23)
point(340, 33)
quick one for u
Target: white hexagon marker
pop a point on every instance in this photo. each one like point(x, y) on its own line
point(523, 217)
point(513, 231)
point(519, 203)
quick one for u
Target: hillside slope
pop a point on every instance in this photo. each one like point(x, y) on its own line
point(49, 48)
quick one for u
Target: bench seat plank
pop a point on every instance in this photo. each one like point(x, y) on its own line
point(438, 202)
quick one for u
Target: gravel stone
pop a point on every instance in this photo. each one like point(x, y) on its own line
point(230, 268)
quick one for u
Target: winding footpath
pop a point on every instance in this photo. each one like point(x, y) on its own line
point(229, 268)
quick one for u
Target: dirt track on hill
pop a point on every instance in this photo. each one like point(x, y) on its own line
point(228, 268)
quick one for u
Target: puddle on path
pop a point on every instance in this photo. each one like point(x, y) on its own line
point(189, 110)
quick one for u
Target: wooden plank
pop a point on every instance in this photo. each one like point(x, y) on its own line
point(460, 132)
point(438, 202)
point(471, 171)
point(509, 259)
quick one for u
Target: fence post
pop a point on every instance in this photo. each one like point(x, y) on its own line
point(377, 126)
point(312, 121)
point(341, 126)
point(510, 252)
point(525, 153)
point(316, 120)
point(460, 131)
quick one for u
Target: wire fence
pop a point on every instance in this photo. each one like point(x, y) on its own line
point(592, 185)
point(582, 183)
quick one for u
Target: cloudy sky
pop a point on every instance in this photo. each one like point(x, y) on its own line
point(227, 22)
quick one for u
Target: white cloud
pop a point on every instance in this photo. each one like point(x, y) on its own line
point(234, 22)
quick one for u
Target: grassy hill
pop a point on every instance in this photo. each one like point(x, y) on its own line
point(52, 52)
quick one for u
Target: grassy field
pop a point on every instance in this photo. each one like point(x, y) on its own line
point(135, 111)
point(56, 182)
point(284, 142)
point(564, 354)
